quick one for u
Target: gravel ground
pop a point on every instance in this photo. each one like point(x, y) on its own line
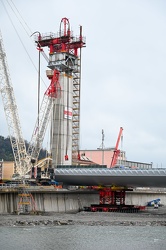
point(149, 217)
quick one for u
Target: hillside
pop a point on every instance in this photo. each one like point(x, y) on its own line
point(6, 153)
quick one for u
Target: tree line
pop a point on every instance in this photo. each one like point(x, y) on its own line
point(6, 153)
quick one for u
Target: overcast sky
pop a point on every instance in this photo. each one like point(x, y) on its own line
point(123, 69)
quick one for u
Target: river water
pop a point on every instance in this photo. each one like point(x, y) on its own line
point(80, 237)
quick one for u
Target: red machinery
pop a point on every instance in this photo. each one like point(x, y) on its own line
point(116, 150)
point(112, 199)
point(64, 41)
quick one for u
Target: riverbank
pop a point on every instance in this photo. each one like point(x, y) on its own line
point(149, 217)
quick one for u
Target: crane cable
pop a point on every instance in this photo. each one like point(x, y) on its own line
point(28, 32)
point(78, 146)
point(67, 117)
point(59, 100)
point(18, 33)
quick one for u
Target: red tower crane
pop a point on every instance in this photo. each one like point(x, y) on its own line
point(116, 150)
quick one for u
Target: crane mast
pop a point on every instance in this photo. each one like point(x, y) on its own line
point(11, 112)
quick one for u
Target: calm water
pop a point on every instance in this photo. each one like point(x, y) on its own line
point(83, 238)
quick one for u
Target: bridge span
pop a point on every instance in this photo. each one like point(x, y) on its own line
point(119, 177)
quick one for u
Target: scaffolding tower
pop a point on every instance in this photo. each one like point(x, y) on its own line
point(26, 203)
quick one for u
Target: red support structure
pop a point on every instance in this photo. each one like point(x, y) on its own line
point(64, 42)
point(112, 197)
point(112, 200)
point(66, 23)
point(54, 90)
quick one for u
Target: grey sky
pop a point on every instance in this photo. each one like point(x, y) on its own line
point(123, 70)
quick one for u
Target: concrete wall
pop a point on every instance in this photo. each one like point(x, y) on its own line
point(71, 202)
point(50, 202)
point(141, 199)
point(8, 202)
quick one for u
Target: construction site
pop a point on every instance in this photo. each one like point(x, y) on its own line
point(54, 184)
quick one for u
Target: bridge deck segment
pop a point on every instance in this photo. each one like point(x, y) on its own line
point(118, 177)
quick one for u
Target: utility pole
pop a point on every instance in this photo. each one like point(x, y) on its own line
point(102, 146)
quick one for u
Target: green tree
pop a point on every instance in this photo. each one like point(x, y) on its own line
point(6, 152)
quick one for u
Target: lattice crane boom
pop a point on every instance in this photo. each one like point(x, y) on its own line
point(53, 91)
point(11, 112)
point(40, 129)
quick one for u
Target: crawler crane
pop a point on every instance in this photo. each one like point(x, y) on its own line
point(24, 158)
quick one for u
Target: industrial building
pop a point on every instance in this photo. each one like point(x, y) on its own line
point(7, 169)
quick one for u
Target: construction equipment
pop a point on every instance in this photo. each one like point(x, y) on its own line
point(112, 199)
point(23, 158)
point(116, 150)
point(155, 203)
point(11, 112)
point(64, 57)
point(53, 91)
